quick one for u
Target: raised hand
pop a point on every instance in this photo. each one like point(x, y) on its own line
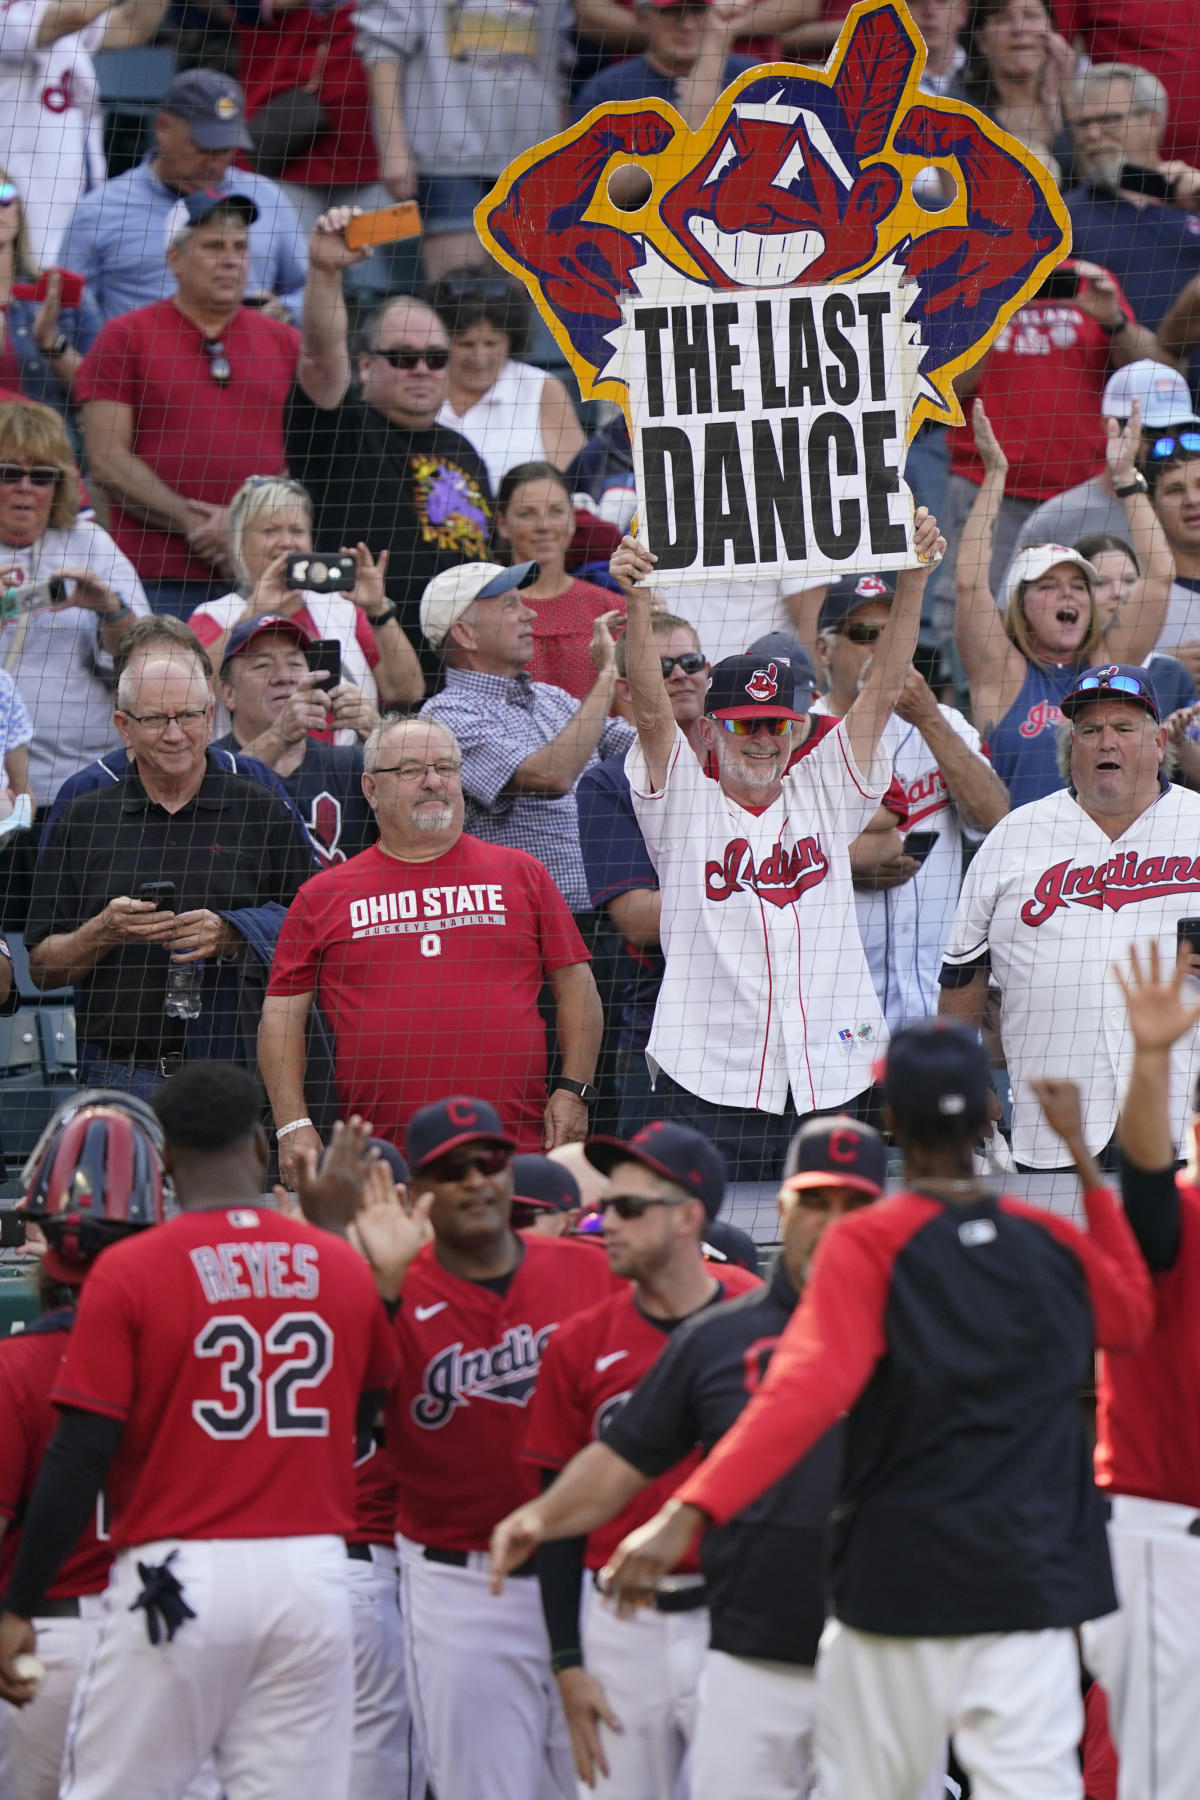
point(991, 453)
point(1158, 1013)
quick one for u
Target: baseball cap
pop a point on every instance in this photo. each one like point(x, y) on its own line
point(748, 687)
point(675, 1152)
point(389, 1154)
point(448, 595)
point(446, 1124)
point(213, 107)
point(838, 1150)
point(1037, 560)
point(781, 646)
point(1162, 394)
point(937, 1067)
point(849, 592)
point(544, 1185)
point(193, 209)
point(1114, 681)
point(249, 629)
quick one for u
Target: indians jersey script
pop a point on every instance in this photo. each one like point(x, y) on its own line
point(233, 1346)
point(766, 983)
point(592, 1365)
point(1055, 903)
point(469, 1360)
point(51, 113)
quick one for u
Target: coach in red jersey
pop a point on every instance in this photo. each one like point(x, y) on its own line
point(426, 955)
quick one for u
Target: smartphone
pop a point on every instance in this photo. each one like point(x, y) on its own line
point(1187, 935)
point(325, 655)
point(12, 1229)
point(72, 287)
point(918, 844)
point(161, 892)
point(386, 226)
point(1137, 180)
point(257, 301)
point(322, 574)
point(1060, 284)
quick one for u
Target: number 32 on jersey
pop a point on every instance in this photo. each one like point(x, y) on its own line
point(299, 1344)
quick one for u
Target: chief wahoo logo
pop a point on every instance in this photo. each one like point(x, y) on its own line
point(764, 683)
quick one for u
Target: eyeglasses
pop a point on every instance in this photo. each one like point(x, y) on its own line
point(691, 662)
point(8, 193)
point(187, 720)
point(1109, 121)
point(456, 1165)
point(775, 727)
point(218, 362)
point(862, 634)
point(411, 771)
point(1164, 447)
point(41, 475)
point(408, 360)
point(636, 1206)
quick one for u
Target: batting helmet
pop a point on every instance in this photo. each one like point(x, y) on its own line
point(95, 1176)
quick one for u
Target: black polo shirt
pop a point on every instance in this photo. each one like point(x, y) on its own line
point(233, 845)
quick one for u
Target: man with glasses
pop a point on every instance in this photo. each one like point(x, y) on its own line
point(176, 865)
point(427, 954)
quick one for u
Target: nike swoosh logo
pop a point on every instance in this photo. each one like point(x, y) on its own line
point(421, 1313)
point(603, 1362)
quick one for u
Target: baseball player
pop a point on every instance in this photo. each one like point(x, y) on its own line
point(629, 1689)
point(968, 1540)
point(211, 1384)
point(1147, 1656)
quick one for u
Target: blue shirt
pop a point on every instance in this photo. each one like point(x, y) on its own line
point(617, 861)
point(637, 79)
point(1023, 745)
point(1153, 251)
point(117, 238)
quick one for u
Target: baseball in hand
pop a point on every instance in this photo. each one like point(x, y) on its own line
point(29, 1668)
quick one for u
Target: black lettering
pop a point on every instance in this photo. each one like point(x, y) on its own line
point(652, 321)
point(772, 394)
point(778, 488)
point(723, 477)
point(691, 359)
point(844, 387)
point(661, 443)
point(838, 539)
point(883, 478)
point(874, 308)
point(804, 356)
point(727, 356)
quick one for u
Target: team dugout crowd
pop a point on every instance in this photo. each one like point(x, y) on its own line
point(354, 766)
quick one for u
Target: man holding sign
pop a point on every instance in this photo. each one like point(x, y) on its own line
point(767, 1011)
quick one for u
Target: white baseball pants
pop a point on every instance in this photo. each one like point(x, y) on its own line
point(1009, 1700)
point(1147, 1656)
point(649, 1667)
point(262, 1678)
point(754, 1729)
point(386, 1763)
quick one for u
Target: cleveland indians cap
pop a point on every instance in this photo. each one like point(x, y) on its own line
point(249, 629)
point(447, 597)
point(1037, 560)
point(848, 593)
point(783, 647)
point(1113, 681)
point(838, 1151)
point(433, 1130)
point(213, 107)
point(675, 1152)
point(544, 1185)
point(193, 209)
point(751, 687)
point(937, 1067)
point(389, 1154)
point(1161, 392)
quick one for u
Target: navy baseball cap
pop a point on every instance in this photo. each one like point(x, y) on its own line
point(783, 647)
point(937, 1066)
point(545, 1185)
point(433, 1130)
point(675, 1152)
point(212, 105)
point(1113, 681)
point(193, 209)
point(751, 687)
point(849, 592)
point(249, 629)
point(838, 1151)
point(389, 1154)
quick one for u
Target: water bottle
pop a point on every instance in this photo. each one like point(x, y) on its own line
point(185, 986)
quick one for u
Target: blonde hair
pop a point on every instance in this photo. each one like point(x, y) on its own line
point(1016, 627)
point(24, 267)
point(256, 496)
point(36, 434)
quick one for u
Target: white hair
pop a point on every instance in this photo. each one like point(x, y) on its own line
point(1147, 93)
point(258, 495)
point(148, 668)
point(405, 724)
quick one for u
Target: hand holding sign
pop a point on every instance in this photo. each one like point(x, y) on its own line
point(630, 564)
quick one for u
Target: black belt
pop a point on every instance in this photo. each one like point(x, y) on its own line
point(461, 1559)
point(359, 1552)
point(673, 1599)
point(58, 1609)
point(167, 1065)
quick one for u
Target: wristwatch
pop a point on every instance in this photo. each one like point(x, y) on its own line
point(375, 620)
point(583, 1090)
point(1137, 484)
point(124, 611)
point(1112, 330)
point(58, 348)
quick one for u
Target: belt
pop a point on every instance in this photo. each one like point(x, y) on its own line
point(679, 1597)
point(167, 1065)
point(464, 1559)
point(58, 1609)
point(358, 1552)
point(1191, 1529)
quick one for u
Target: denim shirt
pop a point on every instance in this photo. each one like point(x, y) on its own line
point(39, 377)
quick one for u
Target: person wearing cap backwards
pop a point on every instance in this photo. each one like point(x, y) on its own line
point(766, 1009)
point(183, 401)
point(1021, 661)
point(1061, 889)
point(954, 1327)
point(950, 789)
point(524, 743)
point(115, 234)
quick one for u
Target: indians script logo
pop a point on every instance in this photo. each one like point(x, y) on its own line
point(1045, 716)
point(506, 1372)
point(1122, 881)
point(780, 878)
point(764, 683)
point(798, 177)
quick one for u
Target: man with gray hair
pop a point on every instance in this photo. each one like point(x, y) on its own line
point(426, 955)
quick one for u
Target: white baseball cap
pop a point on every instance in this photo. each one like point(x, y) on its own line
point(448, 595)
point(1162, 394)
point(1028, 565)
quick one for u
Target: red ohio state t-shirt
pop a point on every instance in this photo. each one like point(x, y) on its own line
point(234, 1346)
point(428, 975)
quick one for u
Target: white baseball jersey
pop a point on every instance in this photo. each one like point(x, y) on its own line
point(766, 984)
point(1056, 902)
point(50, 141)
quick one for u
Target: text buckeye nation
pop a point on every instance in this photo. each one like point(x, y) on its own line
point(769, 429)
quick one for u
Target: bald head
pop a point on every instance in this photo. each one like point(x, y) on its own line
point(409, 397)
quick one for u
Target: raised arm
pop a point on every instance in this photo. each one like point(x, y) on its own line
point(1138, 623)
point(324, 368)
point(593, 1488)
point(652, 715)
point(992, 662)
point(889, 666)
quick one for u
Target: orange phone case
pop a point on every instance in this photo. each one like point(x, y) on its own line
point(384, 226)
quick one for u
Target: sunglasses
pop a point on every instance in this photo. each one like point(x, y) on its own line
point(408, 360)
point(1118, 684)
point(8, 193)
point(456, 1165)
point(636, 1206)
point(747, 727)
point(13, 474)
point(691, 662)
point(218, 362)
point(863, 634)
point(475, 287)
point(1164, 447)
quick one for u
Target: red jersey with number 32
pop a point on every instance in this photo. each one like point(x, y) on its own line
point(592, 1365)
point(233, 1345)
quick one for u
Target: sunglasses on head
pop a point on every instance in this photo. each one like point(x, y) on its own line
point(636, 1206)
point(41, 475)
point(691, 662)
point(408, 360)
point(1164, 447)
point(218, 362)
point(863, 634)
point(1119, 684)
point(8, 193)
point(456, 1165)
point(774, 727)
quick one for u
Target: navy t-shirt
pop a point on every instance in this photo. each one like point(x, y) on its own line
point(1154, 251)
point(326, 791)
point(637, 79)
point(616, 860)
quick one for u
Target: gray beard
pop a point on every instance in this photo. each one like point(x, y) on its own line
point(432, 817)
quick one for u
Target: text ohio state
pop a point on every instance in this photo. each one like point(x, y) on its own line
point(412, 909)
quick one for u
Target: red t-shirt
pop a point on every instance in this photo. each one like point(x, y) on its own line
point(201, 438)
point(591, 1366)
point(562, 632)
point(29, 1365)
point(469, 1359)
point(428, 975)
point(1159, 35)
point(1041, 388)
point(233, 1346)
point(285, 54)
